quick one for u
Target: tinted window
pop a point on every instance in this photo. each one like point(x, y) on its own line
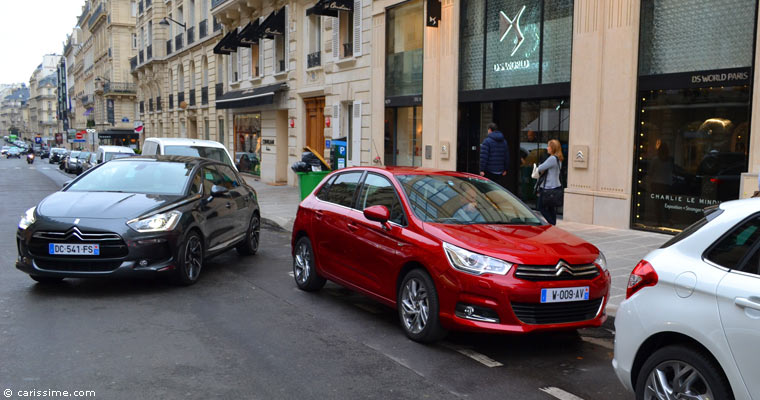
point(229, 179)
point(197, 183)
point(463, 200)
point(343, 188)
point(731, 249)
point(135, 177)
point(212, 153)
point(322, 193)
point(211, 177)
point(378, 191)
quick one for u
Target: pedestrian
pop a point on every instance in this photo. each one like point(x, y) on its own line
point(549, 187)
point(494, 155)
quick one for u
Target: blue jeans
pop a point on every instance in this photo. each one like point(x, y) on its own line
point(550, 213)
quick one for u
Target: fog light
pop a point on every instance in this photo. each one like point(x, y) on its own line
point(469, 310)
point(476, 313)
point(143, 263)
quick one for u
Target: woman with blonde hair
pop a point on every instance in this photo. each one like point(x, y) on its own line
point(549, 187)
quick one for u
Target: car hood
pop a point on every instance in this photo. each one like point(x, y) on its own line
point(520, 244)
point(101, 204)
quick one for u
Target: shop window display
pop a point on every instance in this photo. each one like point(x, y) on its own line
point(248, 143)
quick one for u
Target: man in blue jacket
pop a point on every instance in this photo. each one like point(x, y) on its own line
point(494, 155)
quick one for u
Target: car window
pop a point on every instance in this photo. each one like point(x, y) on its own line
point(213, 153)
point(322, 193)
point(378, 191)
point(229, 179)
point(731, 249)
point(149, 148)
point(197, 183)
point(343, 188)
point(145, 177)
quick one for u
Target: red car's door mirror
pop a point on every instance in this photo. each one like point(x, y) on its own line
point(377, 213)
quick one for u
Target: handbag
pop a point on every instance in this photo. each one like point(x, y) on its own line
point(535, 173)
point(553, 197)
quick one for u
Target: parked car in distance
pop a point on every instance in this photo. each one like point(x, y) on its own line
point(91, 161)
point(248, 162)
point(4, 150)
point(107, 153)
point(449, 251)
point(13, 152)
point(188, 147)
point(70, 158)
point(56, 155)
point(74, 164)
point(44, 152)
point(689, 327)
point(139, 215)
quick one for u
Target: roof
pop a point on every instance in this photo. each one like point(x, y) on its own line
point(185, 142)
point(52, 78)
point(412, 171)
point(175, 159)
point(117, 149)
point(19, 94)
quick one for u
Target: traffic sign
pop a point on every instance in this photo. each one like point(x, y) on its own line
point(125, 119)
point(37, 139)
point(79, 135)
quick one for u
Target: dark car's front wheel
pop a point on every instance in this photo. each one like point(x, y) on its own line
point(418, 307)
point(190, 260)
point(250, 245)
point(304, 269)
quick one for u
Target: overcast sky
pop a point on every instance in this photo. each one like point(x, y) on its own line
point(31, 28)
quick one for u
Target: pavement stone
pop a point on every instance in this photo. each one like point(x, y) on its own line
point(623, 248)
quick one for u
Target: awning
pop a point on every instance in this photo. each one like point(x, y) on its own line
point(250, 34)
point(273, 25)
point(124, 134)
point(249, 97)
point(228, 44)
point(330, 8)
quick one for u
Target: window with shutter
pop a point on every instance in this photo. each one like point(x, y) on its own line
point(286, 35)
point(356, 140)
point(336, 121)
point(357, 33)
point(336, 37)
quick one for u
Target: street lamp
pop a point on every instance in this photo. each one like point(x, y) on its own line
point(165, 21)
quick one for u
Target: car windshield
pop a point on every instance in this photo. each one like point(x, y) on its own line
point(464, 201)
point(213, 153)
point(83, 155)
point(147, 177)
point(74, 154)
point(111, 156)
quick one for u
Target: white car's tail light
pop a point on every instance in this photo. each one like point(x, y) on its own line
point(643, 275)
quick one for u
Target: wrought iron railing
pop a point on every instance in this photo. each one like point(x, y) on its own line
point(190, 35)
point(204, 95)
point(95, 15)
point(314, 59)
point(192, 97)
point(119, 87)
point(202, 29)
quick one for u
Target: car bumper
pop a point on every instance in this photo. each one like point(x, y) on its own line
point(629, 335)
point(510, 305)
point(132, 253)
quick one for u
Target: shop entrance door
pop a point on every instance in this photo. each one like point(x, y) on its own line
point(315, 123)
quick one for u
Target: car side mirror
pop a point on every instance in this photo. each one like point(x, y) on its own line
point(378, 214)
point(219, 191)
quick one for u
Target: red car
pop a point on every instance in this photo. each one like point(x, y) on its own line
point(449, 250)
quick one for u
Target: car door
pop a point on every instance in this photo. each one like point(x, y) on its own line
point(739, 296)
point(377, 250)
point(238, 197)
point(219, 212)
point(331, 236)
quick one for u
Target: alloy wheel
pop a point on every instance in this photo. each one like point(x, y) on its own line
point(415, 308)
point(303, 263)
point(193, 257)
point(677, 380)
point(255, 231)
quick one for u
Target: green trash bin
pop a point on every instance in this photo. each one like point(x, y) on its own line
point(307, 181)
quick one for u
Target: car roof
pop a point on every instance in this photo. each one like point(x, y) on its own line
point(185, 142)
point(118, 149)
point(412, 171)
point(175, 159)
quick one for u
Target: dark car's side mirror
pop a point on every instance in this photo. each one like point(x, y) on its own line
point(378, 214)
point(219, 191)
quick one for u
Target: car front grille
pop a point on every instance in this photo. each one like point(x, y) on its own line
point(557, 313)
point(560, 272)
point(111, 244)
point(77, 266)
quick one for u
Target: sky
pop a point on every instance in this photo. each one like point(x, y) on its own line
point(30, 29)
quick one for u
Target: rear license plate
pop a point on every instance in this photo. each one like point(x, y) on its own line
point(74, 249)
point(559, 295)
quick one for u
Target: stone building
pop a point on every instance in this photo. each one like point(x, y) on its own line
point(12, 99)
point(43, 92)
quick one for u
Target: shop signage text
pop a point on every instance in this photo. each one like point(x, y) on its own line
point(723, 77)
point(511, 65)
point(683, 203)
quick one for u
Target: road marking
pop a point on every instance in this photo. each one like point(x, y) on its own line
point(291, 274)
point(483, 359)
point(599, 342)
point(559, 393)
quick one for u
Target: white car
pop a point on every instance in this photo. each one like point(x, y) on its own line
point(188, 147)
point(690, 325)
point(107, 153)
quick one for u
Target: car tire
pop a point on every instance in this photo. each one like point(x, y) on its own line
point(46, 279)
point(305, 267)
point(658, 372)
point(418, 307)
point(189, 260)
point(250, 245)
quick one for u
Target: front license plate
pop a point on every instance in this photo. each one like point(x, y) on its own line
point(74, 249)
point(559, 295)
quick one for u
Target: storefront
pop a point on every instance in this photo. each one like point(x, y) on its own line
point(126, 138)
point(694, 106)
point(514, 70)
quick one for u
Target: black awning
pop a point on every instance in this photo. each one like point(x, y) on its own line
point(273, 25)
point(228, 44)
point(250, 34)
point(330, 8)
point(250, 97)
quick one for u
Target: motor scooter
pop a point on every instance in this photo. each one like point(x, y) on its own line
point(30, 158)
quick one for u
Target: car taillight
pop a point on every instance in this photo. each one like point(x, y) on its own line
point(643, 275)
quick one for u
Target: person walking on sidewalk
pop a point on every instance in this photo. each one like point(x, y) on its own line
point(549, 186)
point(494, 155)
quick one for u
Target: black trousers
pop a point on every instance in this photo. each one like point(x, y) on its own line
point(498, 178)
point(550, 213)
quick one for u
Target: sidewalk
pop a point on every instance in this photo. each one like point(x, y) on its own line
point(623, 248)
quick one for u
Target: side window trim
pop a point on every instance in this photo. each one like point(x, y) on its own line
point(358, 191)
point(326, 188)
point(725, 235)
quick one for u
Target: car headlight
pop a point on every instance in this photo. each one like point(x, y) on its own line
point(156, 223)
point(601, 261)
point(27, 219)
point(474, 263)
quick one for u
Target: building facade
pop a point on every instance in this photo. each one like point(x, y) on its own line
point(43, 94)
point(176, 70)
point(12, 99)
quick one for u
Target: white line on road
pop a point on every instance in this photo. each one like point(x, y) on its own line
point(559, 393)
point(483, 359)
point(291, 274)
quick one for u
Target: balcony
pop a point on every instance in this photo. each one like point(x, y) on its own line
point(192, 97)
point(140, 7)
point(96, 15)
point(215, 3)
point(314, 59)
point(133, 62)
point(88, 99)
point(142, 107)
point(171, 101)
point(190, 35)
point(168, 47)
point(178, 42)
point(142, 56)
point(119, 88)
point(180, 98)
point(202, 29)
point(158, 103)
point(149, 53)
point(204, 95)
point(219, 89)
point(217, 25)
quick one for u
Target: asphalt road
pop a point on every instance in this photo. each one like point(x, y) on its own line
point(245, 331)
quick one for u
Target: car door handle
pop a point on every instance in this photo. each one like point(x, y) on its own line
point(747, 303)
point(352, 226)
point(318, 214)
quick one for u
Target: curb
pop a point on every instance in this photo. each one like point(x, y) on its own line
point(273, 225)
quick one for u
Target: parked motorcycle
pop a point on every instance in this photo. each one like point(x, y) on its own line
point(30, 158)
